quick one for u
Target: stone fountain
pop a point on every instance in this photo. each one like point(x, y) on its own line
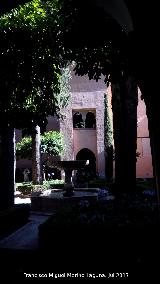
point(51, 200)
point(69, 167)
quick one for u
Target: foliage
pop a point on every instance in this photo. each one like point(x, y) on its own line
point(31, 55)
point(51, 143)
point(25, 189)
point(134, 212)
point(28, 188)
point(98, 182)
point(94, 51)
point(63, 97)
point(38, 40)
point(108, 124)
point(24, 148)
point(32, 14)
point(54, 182)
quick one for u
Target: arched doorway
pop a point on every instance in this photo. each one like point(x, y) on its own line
point(86, 154)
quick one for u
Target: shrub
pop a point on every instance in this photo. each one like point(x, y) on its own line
point(98, 182)
point(28, 188)
point(51, 144)
point(25, 189)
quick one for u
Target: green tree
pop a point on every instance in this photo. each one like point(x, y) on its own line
point(108, 139)
point(97, 51)
point(35, 49)
point(51, 144)
point(31, 56)
point(32, 63)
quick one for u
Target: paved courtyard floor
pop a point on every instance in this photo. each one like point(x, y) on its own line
point(27, 236)
point(20, 254)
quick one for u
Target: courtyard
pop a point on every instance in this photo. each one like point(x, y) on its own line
point(123, 230)
point(79, 142)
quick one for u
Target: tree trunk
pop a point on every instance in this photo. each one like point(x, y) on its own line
point(15, 161)
point(125, 100)
point(36, 156)
point(109, 163)
point(118, 134)
point(7, 155)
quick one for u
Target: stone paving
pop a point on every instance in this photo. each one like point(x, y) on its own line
point(27, 236)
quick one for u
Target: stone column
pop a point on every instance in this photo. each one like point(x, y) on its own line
point(84, 117)
point(68, 186)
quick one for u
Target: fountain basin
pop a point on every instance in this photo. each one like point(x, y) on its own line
point(55, 200)
point(68, 167)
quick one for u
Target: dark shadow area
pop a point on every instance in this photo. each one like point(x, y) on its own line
point(78, 120)
point(13, 218)
point(87, 154)
point(90, 121)
point(120, 235)
point(94, 251)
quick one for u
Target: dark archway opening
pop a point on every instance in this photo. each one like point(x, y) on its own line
point(78, 120)
point(86, 154)
point(90, 121)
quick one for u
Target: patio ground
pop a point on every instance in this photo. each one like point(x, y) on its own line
point(134, 253)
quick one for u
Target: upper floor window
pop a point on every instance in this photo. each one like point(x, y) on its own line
point(84, 119)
